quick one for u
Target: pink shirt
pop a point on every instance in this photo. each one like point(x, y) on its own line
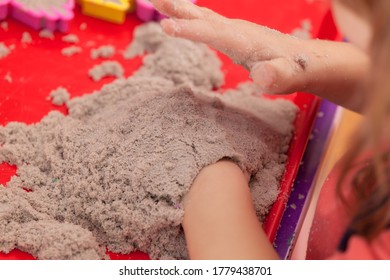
point(330, 223)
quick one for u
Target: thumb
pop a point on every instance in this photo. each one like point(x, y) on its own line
point(279, 76)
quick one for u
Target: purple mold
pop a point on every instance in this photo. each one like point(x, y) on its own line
point(145, 11)
point(4, 8)
point(51, 19)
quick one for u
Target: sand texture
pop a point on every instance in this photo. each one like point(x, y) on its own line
point(4, 50)
point(114, 171)
point(109, 68)
point(71, 51)
point(4, 25)
point(59, 96)
point(106, 51)
point(71, 39)
point(47, 34)
point(26, 38)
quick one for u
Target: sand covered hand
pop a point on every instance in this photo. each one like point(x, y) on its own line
point(273, 58)
point(278, 63)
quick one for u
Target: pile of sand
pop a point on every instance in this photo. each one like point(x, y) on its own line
point(114, 171)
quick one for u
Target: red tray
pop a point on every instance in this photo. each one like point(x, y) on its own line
point(38, 68)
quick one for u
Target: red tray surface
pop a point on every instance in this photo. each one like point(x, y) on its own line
point(38, 68)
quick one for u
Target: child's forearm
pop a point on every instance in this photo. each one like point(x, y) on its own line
point(335, 71)
point(220, 220)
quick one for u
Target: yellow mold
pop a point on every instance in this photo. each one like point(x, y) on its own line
point(109, 10)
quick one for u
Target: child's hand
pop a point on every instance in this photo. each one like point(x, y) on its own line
point(272, 58)
point(278, 63)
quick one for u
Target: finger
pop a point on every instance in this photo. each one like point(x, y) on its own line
point(182, 9)
point(216, 35)
point(278, 76)
point(194, 29)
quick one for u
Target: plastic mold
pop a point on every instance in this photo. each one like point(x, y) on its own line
point(4, 8)
point(110, 10)
point(51, 19)
point(146, 12)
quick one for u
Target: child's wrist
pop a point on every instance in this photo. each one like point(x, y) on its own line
point(214, 178)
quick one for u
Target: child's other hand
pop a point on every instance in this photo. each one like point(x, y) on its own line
point(273, 59)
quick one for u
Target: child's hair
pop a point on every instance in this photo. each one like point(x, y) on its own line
point(370, 187)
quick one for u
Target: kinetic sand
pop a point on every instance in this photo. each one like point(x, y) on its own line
point(4, 50)
point(71, 39)
point(107, 51)
point(106, 69)
point(71, 51)
point(46, 34)
point(26, 38)
point(113, 172)
point(59, 96)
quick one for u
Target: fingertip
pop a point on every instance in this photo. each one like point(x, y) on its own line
point(264, 76)
point(170, 26)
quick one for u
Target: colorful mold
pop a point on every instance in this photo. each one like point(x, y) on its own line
point(50, 18)
point(4, 4)
point(110, 10)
